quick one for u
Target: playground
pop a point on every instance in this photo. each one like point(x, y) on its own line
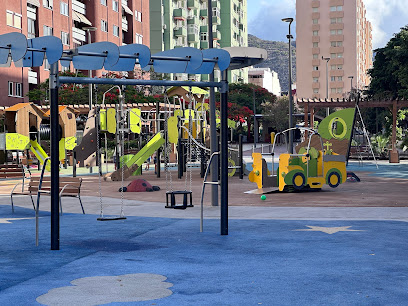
point(305, 227)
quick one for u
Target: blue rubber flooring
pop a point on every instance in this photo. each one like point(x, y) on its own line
point(260, 262)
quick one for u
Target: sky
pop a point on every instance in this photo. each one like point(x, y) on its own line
point(264, 18)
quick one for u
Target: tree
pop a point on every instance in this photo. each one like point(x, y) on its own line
point(389, 75)
point(70, 94)
point(276, 115)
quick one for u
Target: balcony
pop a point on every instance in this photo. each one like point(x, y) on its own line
point(216, 3)
point(216, 20)
point(336, 26)
point(180, 31)
point(315, 3)
point(79, 7)
point(337, 61)
point(180, 14)
point(216, 35)
point(315, 15)
point(316, 85)
point(316, 62)
point(203, 44)
point(192, 19)
point(78, 34)
point(336, 2)
point(315, 74)
point(124, 24)
point(336, 49)
point(193, 4)
point(339, 14)
point(204, 29)
point(315, 50)
point(193, 37)
point(32, 77)
point(316, 39)
point(203, 13)
point(338, 37)
point(316, 27)
point(336, 73)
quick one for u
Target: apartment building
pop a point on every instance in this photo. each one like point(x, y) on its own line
point(184, 23)
point(333, 34)
point(266, 78)
point(76, 22)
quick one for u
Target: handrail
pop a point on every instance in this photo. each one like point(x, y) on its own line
point(202, 193)
point(38, 201)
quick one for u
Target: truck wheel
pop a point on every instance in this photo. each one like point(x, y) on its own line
point(298, 180)
point(333, 180)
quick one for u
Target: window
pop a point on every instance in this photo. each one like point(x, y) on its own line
point(13, 19)
point(336, 43)
point(339, 79)
point(30, 28)
point(203, 36)
point(48, 4)
point(65, 38)
point(339, 67)
point(315, 33)
point(138, 16)
point(336, 8)
point(104, 26)
point(315, 68)
point(339, 55)
point(332, 20)
point(116, 30)
point(336, 32)
point(333, 55)
point(47, 31)
point(139, 39)
point(315, 80)
point(339, 20)
point(64, 8)
point(339, 90)
point(316, 90)
point(115, 6)
point(10, 89)
point(315, 56)
point(104, 2)
point(315, 21)
point(332, 79)
point(19, 89)
point(333, 90)
point(315, 9)
point(315, 45)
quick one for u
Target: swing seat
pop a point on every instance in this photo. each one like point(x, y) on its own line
point(111, 218)
point(172, 195)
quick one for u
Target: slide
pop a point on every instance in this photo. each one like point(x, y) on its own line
point(136, 161)
point(39, 153)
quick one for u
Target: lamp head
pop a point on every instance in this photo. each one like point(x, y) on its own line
point(290, 19)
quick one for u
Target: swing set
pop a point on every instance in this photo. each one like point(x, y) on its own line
point(95, 56)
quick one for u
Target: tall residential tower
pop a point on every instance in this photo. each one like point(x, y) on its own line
point(184, 23)
point(333, 34)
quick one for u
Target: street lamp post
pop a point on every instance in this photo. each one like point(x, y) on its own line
point(89, 30)
point(327, 59)
point(289, 37)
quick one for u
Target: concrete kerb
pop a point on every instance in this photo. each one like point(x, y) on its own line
point(111, 206)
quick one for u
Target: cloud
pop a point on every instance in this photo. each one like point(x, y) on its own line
point(99, 290)
point(267, 24)
point(387, 17)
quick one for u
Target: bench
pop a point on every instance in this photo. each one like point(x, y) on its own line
point(13, 171)
point(68, 187)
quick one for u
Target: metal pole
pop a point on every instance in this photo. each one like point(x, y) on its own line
point(255, 122)
point(55, 226)
point(224, 155)
point(241, 158)
point(327, 86)
point(90, 75)
point(213, 129)
point(157, 165)
point(290, 94)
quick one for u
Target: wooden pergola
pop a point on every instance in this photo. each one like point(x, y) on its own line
point(311, 105)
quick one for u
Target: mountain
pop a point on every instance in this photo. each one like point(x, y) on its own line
point(278, 58)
